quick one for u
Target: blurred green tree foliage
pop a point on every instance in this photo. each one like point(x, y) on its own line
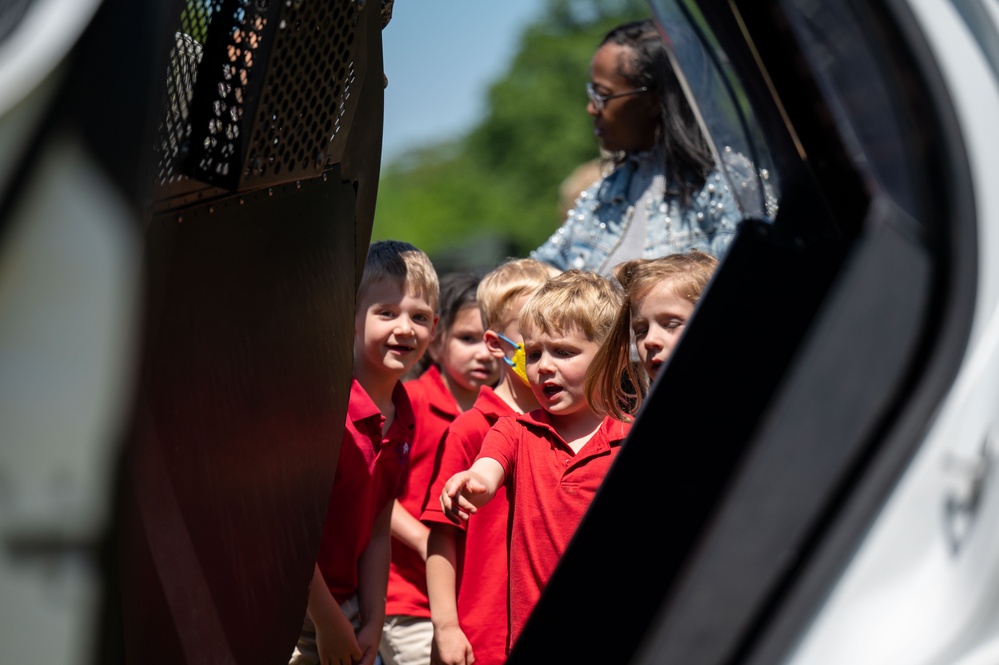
point(493, 192)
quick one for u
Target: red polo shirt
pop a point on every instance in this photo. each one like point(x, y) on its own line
point(482, 563)
point(434, 408)
point(369, 474)
point(550, 489)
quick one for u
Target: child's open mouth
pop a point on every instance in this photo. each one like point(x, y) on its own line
point(551, 390)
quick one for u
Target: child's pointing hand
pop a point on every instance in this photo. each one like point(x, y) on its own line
point(453, 497)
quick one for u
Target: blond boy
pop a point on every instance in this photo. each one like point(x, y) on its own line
point(554, 458)
point(467, 567)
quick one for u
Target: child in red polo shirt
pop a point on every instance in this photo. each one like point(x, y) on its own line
point(659, 298)
point(467, 569)
point(394, 321)
point(460, 364)
point(553, 459)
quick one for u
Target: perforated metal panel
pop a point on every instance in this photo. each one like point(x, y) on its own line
point(182, 72)
point(260, 91)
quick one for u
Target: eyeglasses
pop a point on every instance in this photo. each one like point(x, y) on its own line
point(600, 101)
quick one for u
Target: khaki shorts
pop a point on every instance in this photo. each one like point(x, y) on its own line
point(305, 652)
point(406, 640)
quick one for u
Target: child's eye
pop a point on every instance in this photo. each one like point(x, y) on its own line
point(532, 356)
point(640, 332)
point(565, 353)
point(469, 339)
point(674, 324)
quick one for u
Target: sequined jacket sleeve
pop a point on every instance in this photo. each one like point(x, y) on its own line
point(597, 222)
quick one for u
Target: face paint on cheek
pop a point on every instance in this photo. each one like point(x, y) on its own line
point(519, 360)
point(519, 364)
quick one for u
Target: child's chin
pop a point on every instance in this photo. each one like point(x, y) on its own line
point(563, 408)
point(396, 364)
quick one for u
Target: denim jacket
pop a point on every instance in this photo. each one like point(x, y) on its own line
point(596, 224)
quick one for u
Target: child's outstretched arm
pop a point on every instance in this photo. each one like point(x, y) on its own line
point(335, 641)
point(372, 581)
point(450, 646)
point(466, 491)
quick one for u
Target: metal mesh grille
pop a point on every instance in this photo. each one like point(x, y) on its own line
point(298, 126)
point(182, 73)
point(230, 75)
point(266, 99)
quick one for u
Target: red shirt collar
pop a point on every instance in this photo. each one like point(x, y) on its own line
point(611, 430)
point(361, 408)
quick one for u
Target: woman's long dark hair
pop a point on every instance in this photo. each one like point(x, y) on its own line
point(688, 155)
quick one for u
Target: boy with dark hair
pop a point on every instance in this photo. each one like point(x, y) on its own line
point(394, 322)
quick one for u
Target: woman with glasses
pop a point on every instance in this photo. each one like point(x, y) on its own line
point(665, 194)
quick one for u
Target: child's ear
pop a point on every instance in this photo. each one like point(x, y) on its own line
point(494, 344)
point(434, 353)
point(436, 346)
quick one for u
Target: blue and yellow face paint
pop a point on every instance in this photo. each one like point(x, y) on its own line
point(519, 360)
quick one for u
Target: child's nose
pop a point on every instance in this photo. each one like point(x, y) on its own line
point(404, 326)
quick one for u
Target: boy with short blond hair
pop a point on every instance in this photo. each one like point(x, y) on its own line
point(395, 319)
point(553, 459)
point(467, 564)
